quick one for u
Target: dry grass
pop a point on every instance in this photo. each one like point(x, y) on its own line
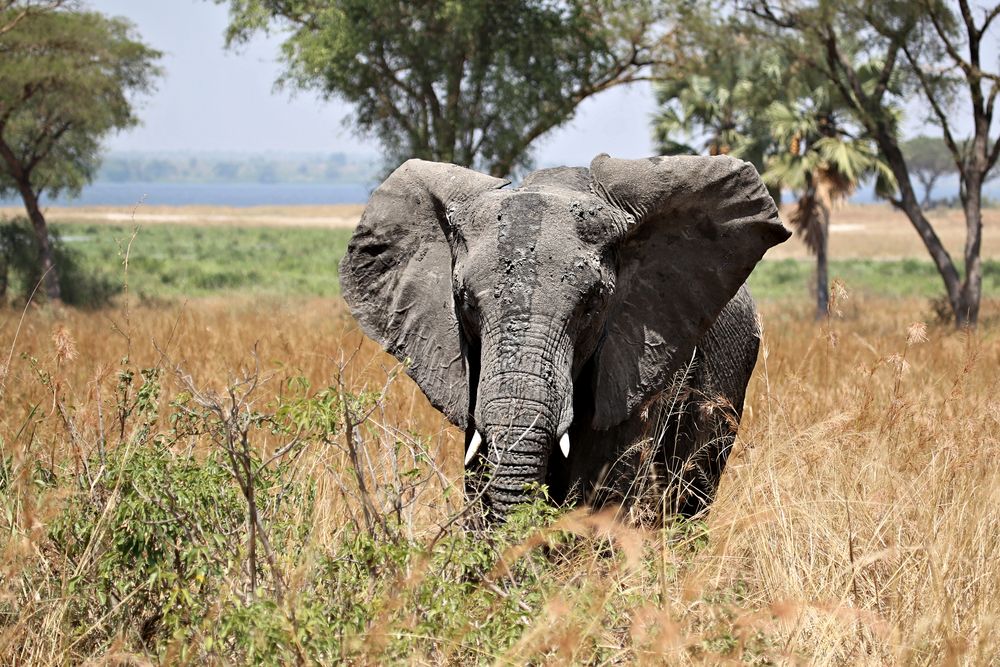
point(858, 521)
point(878, 231)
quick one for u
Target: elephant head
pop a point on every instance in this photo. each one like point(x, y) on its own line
point(506, 299)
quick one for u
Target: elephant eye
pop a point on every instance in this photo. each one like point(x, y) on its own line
point(596, 299)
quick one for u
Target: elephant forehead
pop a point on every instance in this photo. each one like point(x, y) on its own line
point(530, 242)
point(551, 216)
point(519, 228)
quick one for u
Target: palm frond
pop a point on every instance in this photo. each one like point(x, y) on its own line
point(809, 220)
point(670, 147)
point(788, 170)
point(786, 122)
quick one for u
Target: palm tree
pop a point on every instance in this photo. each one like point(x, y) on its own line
point(823, 162)
point(716, 102)
point(729, 93)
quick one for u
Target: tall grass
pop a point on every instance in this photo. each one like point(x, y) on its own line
point(269, 490)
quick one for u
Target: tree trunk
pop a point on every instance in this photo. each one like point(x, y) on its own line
point(910, 205)
point(822, 281)
point(967, 314)
point(824, 204)
point(46, 260)
point(4, 272)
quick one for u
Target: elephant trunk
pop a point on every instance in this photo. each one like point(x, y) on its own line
point(524, 406)
point(517, 454)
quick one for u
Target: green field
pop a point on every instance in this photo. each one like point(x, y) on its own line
point(175, 261)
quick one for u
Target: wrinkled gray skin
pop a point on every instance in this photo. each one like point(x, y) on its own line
point(572, 304)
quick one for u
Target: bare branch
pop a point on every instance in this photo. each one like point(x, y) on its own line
point(939, 112)
point(29, 9)
point(970, 24)
point(947, 42)
point(763, 10)
point(988, 18)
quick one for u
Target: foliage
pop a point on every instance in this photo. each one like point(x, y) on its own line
point(66, 81)
point(472, 82)
point(822, 158)
point(881, 56)
point(751, 98)
point(13, 12)
point(19, 272)
point(715, 87)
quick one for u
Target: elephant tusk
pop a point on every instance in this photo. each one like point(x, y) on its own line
point(564, 444)
point(473, 447)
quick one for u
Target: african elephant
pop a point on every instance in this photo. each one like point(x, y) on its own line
point(563, 310)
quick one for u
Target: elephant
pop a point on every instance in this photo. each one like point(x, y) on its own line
point(596, 308)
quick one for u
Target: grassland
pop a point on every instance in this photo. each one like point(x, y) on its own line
point(176, 260)
point(170, 261)
point(858, 521)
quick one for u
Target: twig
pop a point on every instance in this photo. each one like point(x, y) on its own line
point(10, 355)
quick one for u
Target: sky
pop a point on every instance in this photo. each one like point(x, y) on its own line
point(216, 100)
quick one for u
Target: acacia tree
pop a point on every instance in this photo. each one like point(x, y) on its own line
point(15, 11)
point(474, 82)
point(929, 159)
point(65, 83)
point(877, 54)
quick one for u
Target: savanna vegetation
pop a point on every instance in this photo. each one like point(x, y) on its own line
point(67, 80)
point(204, 461)
point(235, 479)
point(172, 262)
point(217, 466)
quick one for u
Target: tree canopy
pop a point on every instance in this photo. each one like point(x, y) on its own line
point(929, 159)
point(66, 82)
point(727, 91)
point(879, 55)
point(713, 84)
point(474, 82)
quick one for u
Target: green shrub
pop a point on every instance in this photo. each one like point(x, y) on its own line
point(178, 539)
point(19, 272)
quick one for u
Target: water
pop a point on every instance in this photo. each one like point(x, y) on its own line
point(214, 194)
point(283, 194)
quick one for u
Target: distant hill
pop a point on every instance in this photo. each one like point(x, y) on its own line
point(237, 168)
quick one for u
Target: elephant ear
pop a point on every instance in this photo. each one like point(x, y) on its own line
point(698, 226)
point(396, 276)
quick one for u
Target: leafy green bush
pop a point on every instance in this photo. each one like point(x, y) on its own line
point(187, 530)
point(19, 272)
